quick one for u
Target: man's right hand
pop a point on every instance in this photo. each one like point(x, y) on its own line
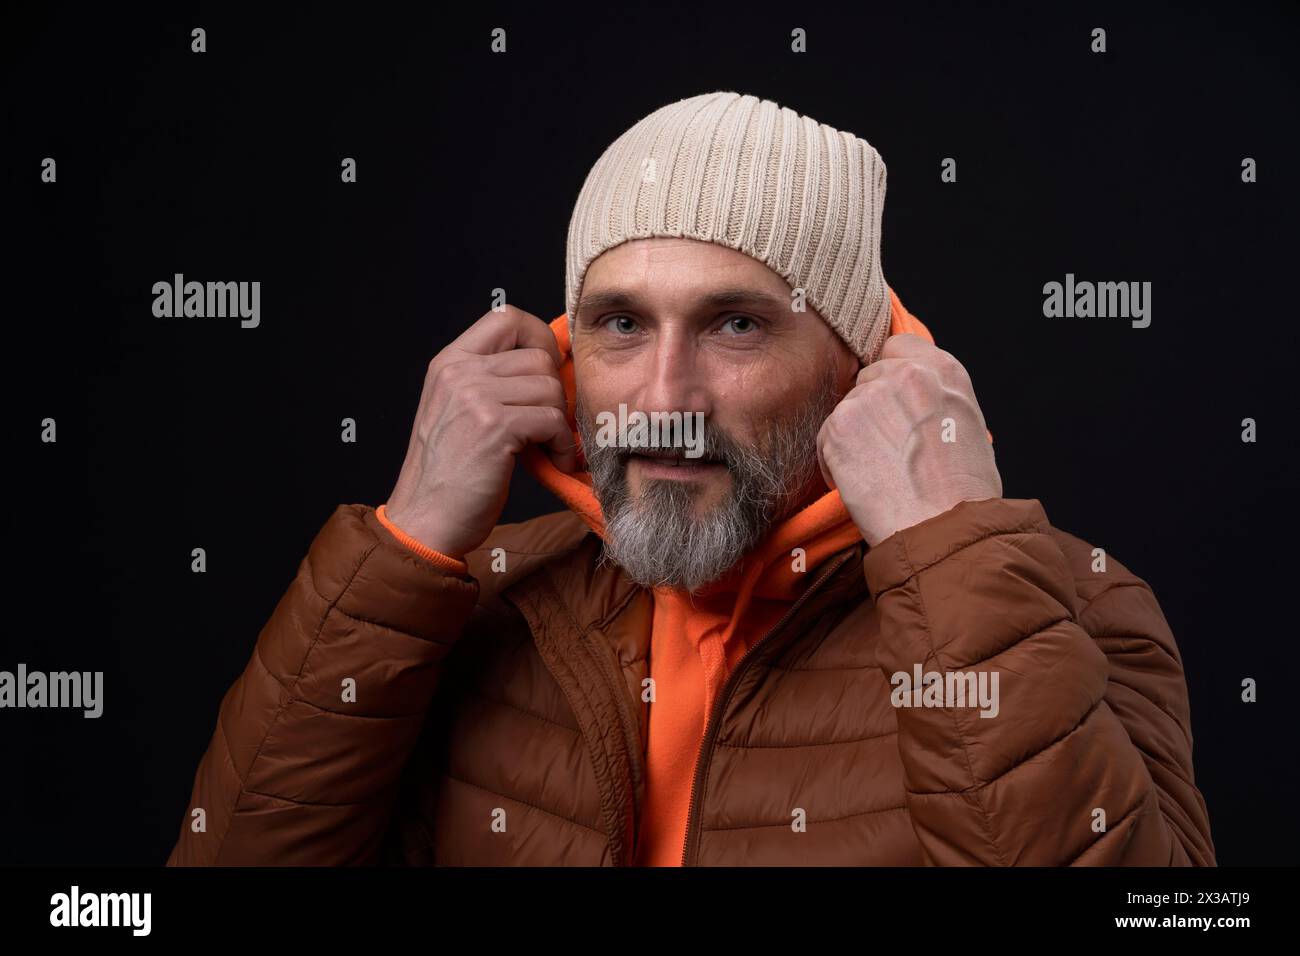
point(486, 396)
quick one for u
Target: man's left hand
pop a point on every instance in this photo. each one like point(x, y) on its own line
point(909, 441)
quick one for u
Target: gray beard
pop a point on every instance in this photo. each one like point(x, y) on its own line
point(660, 542)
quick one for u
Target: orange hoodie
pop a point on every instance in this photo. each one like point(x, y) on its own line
point(695, 642)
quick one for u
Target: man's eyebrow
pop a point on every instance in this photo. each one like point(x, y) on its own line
point(744, 297)
point(613, 299)
point(620, 299)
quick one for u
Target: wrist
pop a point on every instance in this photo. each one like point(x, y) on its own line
point(879, 529)
point(444, 557)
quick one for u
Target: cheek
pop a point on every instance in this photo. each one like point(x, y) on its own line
point(746, 400)
point(596, 387)
point(607, 377)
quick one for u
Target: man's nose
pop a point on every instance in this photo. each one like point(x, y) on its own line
point(673, 379)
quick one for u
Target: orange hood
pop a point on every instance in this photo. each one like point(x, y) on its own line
point(821, 529)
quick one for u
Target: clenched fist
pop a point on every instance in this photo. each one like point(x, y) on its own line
point(908, 442)
point(486, 396)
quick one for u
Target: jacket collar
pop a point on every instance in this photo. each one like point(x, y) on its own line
point(591, 623)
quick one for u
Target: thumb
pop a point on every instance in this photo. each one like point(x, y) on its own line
point(826, 472)
point(563, 452)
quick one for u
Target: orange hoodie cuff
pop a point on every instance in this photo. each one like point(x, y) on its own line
point(439, 560)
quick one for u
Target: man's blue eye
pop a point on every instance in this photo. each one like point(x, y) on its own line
point(623, 323)
point(745, 321)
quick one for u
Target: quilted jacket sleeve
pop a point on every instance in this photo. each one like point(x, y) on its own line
point(303, 767)
point(1086, 757)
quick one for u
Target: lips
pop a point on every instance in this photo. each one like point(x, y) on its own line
point(674, 458)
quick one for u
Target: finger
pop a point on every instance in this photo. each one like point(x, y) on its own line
point(543, 425)
point(511, 328)
point(563, 451)
point(821, 460)
point(520, 361)
point(500, 329)
point(480, 370)
point(882, 366)
point(906, 344)
point(526, 390)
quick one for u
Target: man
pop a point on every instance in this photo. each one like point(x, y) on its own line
point(821, 636)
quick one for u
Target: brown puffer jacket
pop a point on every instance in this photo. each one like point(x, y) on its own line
point(514, 698)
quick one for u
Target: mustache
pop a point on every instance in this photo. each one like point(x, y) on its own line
point(716, 447)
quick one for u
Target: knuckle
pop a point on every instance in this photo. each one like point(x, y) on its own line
point(901, 345)
point(948, 366)
point(943, 359)
point(540, 360)
point(496, 321)
point(916, 378)
point(516, 316)
point(471, 396)
point(448, 376)
point(438, 377)
point(908, 375)
point(483, 415)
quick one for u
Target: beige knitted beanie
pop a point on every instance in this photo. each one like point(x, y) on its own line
point(800, 197)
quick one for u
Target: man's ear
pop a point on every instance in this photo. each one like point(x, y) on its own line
point(847, 364)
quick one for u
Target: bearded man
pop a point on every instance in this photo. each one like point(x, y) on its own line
point(826, 639)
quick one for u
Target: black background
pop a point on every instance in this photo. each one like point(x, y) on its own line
point(183, 433)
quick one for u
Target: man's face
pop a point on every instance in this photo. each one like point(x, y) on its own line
point(668, 325)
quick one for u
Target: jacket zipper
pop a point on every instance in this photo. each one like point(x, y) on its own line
point(719, 705)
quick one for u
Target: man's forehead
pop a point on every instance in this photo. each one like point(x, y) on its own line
point(718, 296)
point(658, 269)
